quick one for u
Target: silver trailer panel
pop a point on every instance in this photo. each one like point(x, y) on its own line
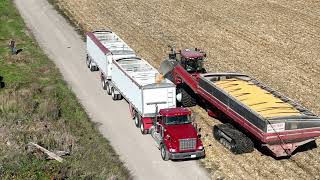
point(135, 79)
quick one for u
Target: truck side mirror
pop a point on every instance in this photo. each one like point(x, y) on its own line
point(160, 120)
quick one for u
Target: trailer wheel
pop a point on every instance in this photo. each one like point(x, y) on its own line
point(113, 95)
point(164, 152)
point(88, 61)
point(103, 83)
point(92, 68)
point(187, 100)
point(132, 111)
point(137, 120)
point(108, 88)
point(119, 96)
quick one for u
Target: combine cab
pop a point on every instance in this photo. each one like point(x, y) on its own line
point(251, 108)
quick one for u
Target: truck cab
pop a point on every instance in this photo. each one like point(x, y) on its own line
point(176, 135)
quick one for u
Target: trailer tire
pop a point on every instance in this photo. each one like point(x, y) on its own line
point(119, 97)
point(108, 88)
point(103, 83)
point(88, 61)
point(187, 100)
point(113, 95)
point(137, 120)
point(164, 152)
point(92, 68)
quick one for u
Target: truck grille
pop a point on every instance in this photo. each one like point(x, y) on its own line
point(187, 144)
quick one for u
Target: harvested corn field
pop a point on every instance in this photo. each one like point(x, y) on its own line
point(275, 41)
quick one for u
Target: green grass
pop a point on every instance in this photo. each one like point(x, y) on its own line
point(37, 106)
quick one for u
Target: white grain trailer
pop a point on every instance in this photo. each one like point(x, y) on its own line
point(152, 99)
point(137, 81)
point(102, 48)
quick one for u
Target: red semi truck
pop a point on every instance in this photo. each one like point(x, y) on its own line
point(251, 110)
point(152, 100)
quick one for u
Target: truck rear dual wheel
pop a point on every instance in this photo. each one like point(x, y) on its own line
point(164, 152)
point(142, 129)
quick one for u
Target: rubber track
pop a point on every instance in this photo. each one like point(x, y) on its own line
point(243, 144)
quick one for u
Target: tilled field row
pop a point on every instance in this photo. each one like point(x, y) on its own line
point(275, 41)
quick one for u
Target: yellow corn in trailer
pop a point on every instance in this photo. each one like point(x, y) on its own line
point(257, 99)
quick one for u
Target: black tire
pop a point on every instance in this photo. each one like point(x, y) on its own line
point(216, 134)
point(92, 68)
point(187, 100)
point(142, 129)
point(113, 95)
point(137, 120)
point(88, 61)
point(119, 97)
point(103, 83)
point(108, 88)
point(164, 152)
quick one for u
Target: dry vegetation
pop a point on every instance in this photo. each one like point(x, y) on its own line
point(37, 106)
point(275, 41)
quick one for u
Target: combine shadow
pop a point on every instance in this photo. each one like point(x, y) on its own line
point(2, 84)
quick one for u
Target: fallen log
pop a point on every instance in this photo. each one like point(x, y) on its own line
point(49, 153)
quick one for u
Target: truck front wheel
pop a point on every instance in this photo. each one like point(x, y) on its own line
point(164, 152)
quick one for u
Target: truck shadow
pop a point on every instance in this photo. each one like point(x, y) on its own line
point(184, 160)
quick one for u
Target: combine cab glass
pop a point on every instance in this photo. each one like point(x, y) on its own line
point(192, 60)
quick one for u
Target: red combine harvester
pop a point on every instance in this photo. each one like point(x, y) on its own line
point(253, 110)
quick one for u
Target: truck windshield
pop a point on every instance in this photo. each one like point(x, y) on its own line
point(178, 120)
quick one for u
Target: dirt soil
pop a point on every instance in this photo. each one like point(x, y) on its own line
point(275, 41)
